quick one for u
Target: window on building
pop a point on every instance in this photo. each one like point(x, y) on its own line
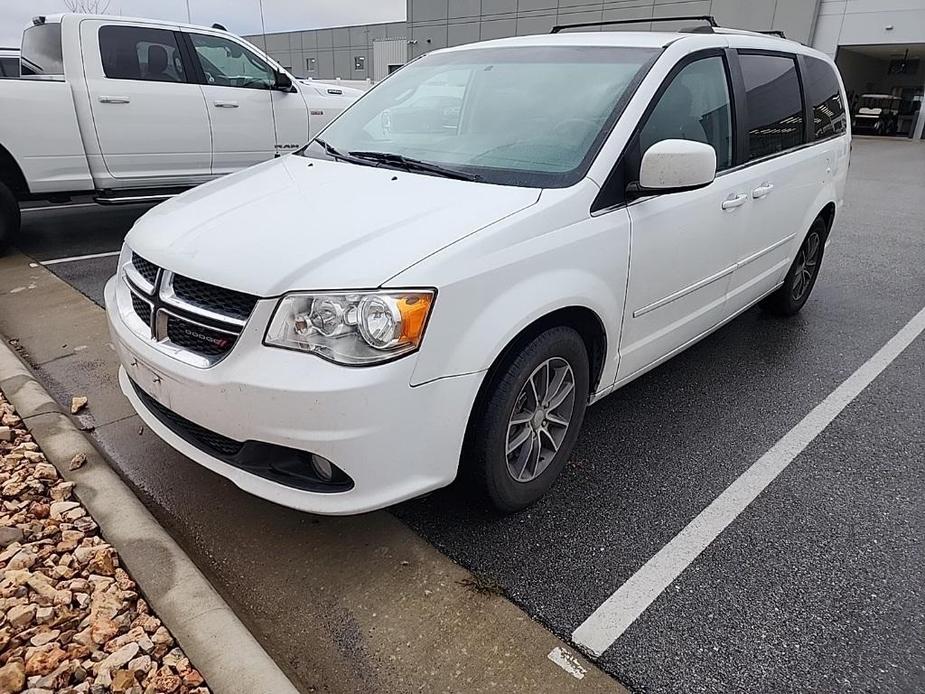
point(228, 64)
point(695, 106)
point(359, 63)
point(311, 65)
point(139, 53)
point(824, 96)
point(775, 106)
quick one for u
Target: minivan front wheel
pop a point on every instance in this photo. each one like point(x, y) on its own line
point(801, 278)
point(528, 420)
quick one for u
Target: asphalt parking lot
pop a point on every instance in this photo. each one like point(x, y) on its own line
point(817, 586)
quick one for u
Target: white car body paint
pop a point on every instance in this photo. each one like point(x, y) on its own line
point(658, 274)
point(81, 131)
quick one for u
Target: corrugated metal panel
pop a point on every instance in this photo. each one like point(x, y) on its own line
point(386, 53)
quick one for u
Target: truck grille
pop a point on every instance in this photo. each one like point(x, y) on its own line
point(192, 320)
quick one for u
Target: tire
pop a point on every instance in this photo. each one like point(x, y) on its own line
point(10, 218)
point(554, 354)
point(801, 278)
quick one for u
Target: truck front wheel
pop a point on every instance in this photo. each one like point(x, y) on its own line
point(10, 218)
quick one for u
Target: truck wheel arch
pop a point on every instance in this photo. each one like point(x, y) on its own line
point(11, 175)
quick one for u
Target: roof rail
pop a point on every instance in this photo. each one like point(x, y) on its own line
point(687, 18)
point(774, 32)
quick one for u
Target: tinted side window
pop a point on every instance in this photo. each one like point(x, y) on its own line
point(824, 95)
point(775, 108)
point(695, 106)
point(139, 53)
point(41, 50)
point(228, 64)
point(9, 67)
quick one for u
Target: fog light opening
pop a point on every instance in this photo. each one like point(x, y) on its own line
point(323, 468)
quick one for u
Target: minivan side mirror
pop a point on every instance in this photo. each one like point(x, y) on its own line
point(282, 82)
point(674, 166)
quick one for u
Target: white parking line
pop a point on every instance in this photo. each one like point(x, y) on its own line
point(608, 622)
point(75, 258)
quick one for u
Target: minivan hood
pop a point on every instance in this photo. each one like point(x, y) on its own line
point(299, 223)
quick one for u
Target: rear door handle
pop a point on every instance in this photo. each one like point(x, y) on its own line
point(763, 190)
point(226, 104)
point(734, 201)
point(115, 100)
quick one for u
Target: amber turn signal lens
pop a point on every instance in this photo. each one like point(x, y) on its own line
point(414, 310)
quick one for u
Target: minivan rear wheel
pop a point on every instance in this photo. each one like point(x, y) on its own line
point(528, 420)
point(801, 278)
point(9, 218)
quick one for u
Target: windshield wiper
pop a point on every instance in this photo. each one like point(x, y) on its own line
point(335, 153)
point(410, 164)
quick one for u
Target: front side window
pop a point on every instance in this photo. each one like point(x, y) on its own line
point(41, 50)
point(775, 106)
point(532, 116)
point(228, 64)
point(824, 96)
point(695, 106)
point(140, 53)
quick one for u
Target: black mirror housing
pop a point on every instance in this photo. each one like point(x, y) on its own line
point(283, 82)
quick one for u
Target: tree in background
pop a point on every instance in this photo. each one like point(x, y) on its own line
point(88, 6)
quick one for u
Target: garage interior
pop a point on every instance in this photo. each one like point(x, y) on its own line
point(888, 70)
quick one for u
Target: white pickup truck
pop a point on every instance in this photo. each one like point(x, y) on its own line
point(134, 109)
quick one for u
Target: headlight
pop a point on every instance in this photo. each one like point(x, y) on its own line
point(355, 328)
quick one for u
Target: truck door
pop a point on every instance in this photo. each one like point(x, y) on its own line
point(148, 112)
point(237, 87)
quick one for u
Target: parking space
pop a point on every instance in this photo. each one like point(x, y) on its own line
point(817, 585)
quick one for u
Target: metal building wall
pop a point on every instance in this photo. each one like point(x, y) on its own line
point(335, 50)
point(438, 23)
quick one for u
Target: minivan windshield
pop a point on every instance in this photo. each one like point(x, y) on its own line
point(529, 116)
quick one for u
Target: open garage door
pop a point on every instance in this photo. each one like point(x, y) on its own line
point(885, 85)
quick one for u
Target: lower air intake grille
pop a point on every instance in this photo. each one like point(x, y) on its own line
point(211, 442)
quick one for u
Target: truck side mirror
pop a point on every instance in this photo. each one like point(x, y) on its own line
point(282, 82)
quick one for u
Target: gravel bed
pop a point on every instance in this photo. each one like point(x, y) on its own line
point(71, 618)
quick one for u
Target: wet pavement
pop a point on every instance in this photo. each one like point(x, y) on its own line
point(816, 586)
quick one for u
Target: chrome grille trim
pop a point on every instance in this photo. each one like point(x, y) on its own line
point(164, 306)
point(168, 296)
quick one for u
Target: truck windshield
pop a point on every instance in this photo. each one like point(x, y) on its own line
point(529, 116)
point(41, 50)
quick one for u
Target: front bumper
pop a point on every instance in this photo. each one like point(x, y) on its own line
point(393, 440)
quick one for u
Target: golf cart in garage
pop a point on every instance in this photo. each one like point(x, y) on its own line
point(877, 114)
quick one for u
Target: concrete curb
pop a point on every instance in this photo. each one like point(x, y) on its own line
point(212, 636)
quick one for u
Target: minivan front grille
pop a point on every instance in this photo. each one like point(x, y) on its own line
point(216, 299)
point(146, 269)
point(199, 338)
point(193, 321)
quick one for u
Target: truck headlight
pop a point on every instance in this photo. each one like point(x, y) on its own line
point(353, 328)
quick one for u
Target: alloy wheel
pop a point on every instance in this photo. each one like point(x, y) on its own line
point(807, 265)
point(540, 420)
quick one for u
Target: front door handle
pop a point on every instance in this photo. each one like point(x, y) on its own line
point(115, 100)
point(734, 201)
point(763, 190)
point(226, 104)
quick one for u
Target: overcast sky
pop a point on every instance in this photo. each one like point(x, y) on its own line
point(239, 16)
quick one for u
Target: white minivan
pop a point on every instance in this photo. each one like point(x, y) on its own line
point(490, 240)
